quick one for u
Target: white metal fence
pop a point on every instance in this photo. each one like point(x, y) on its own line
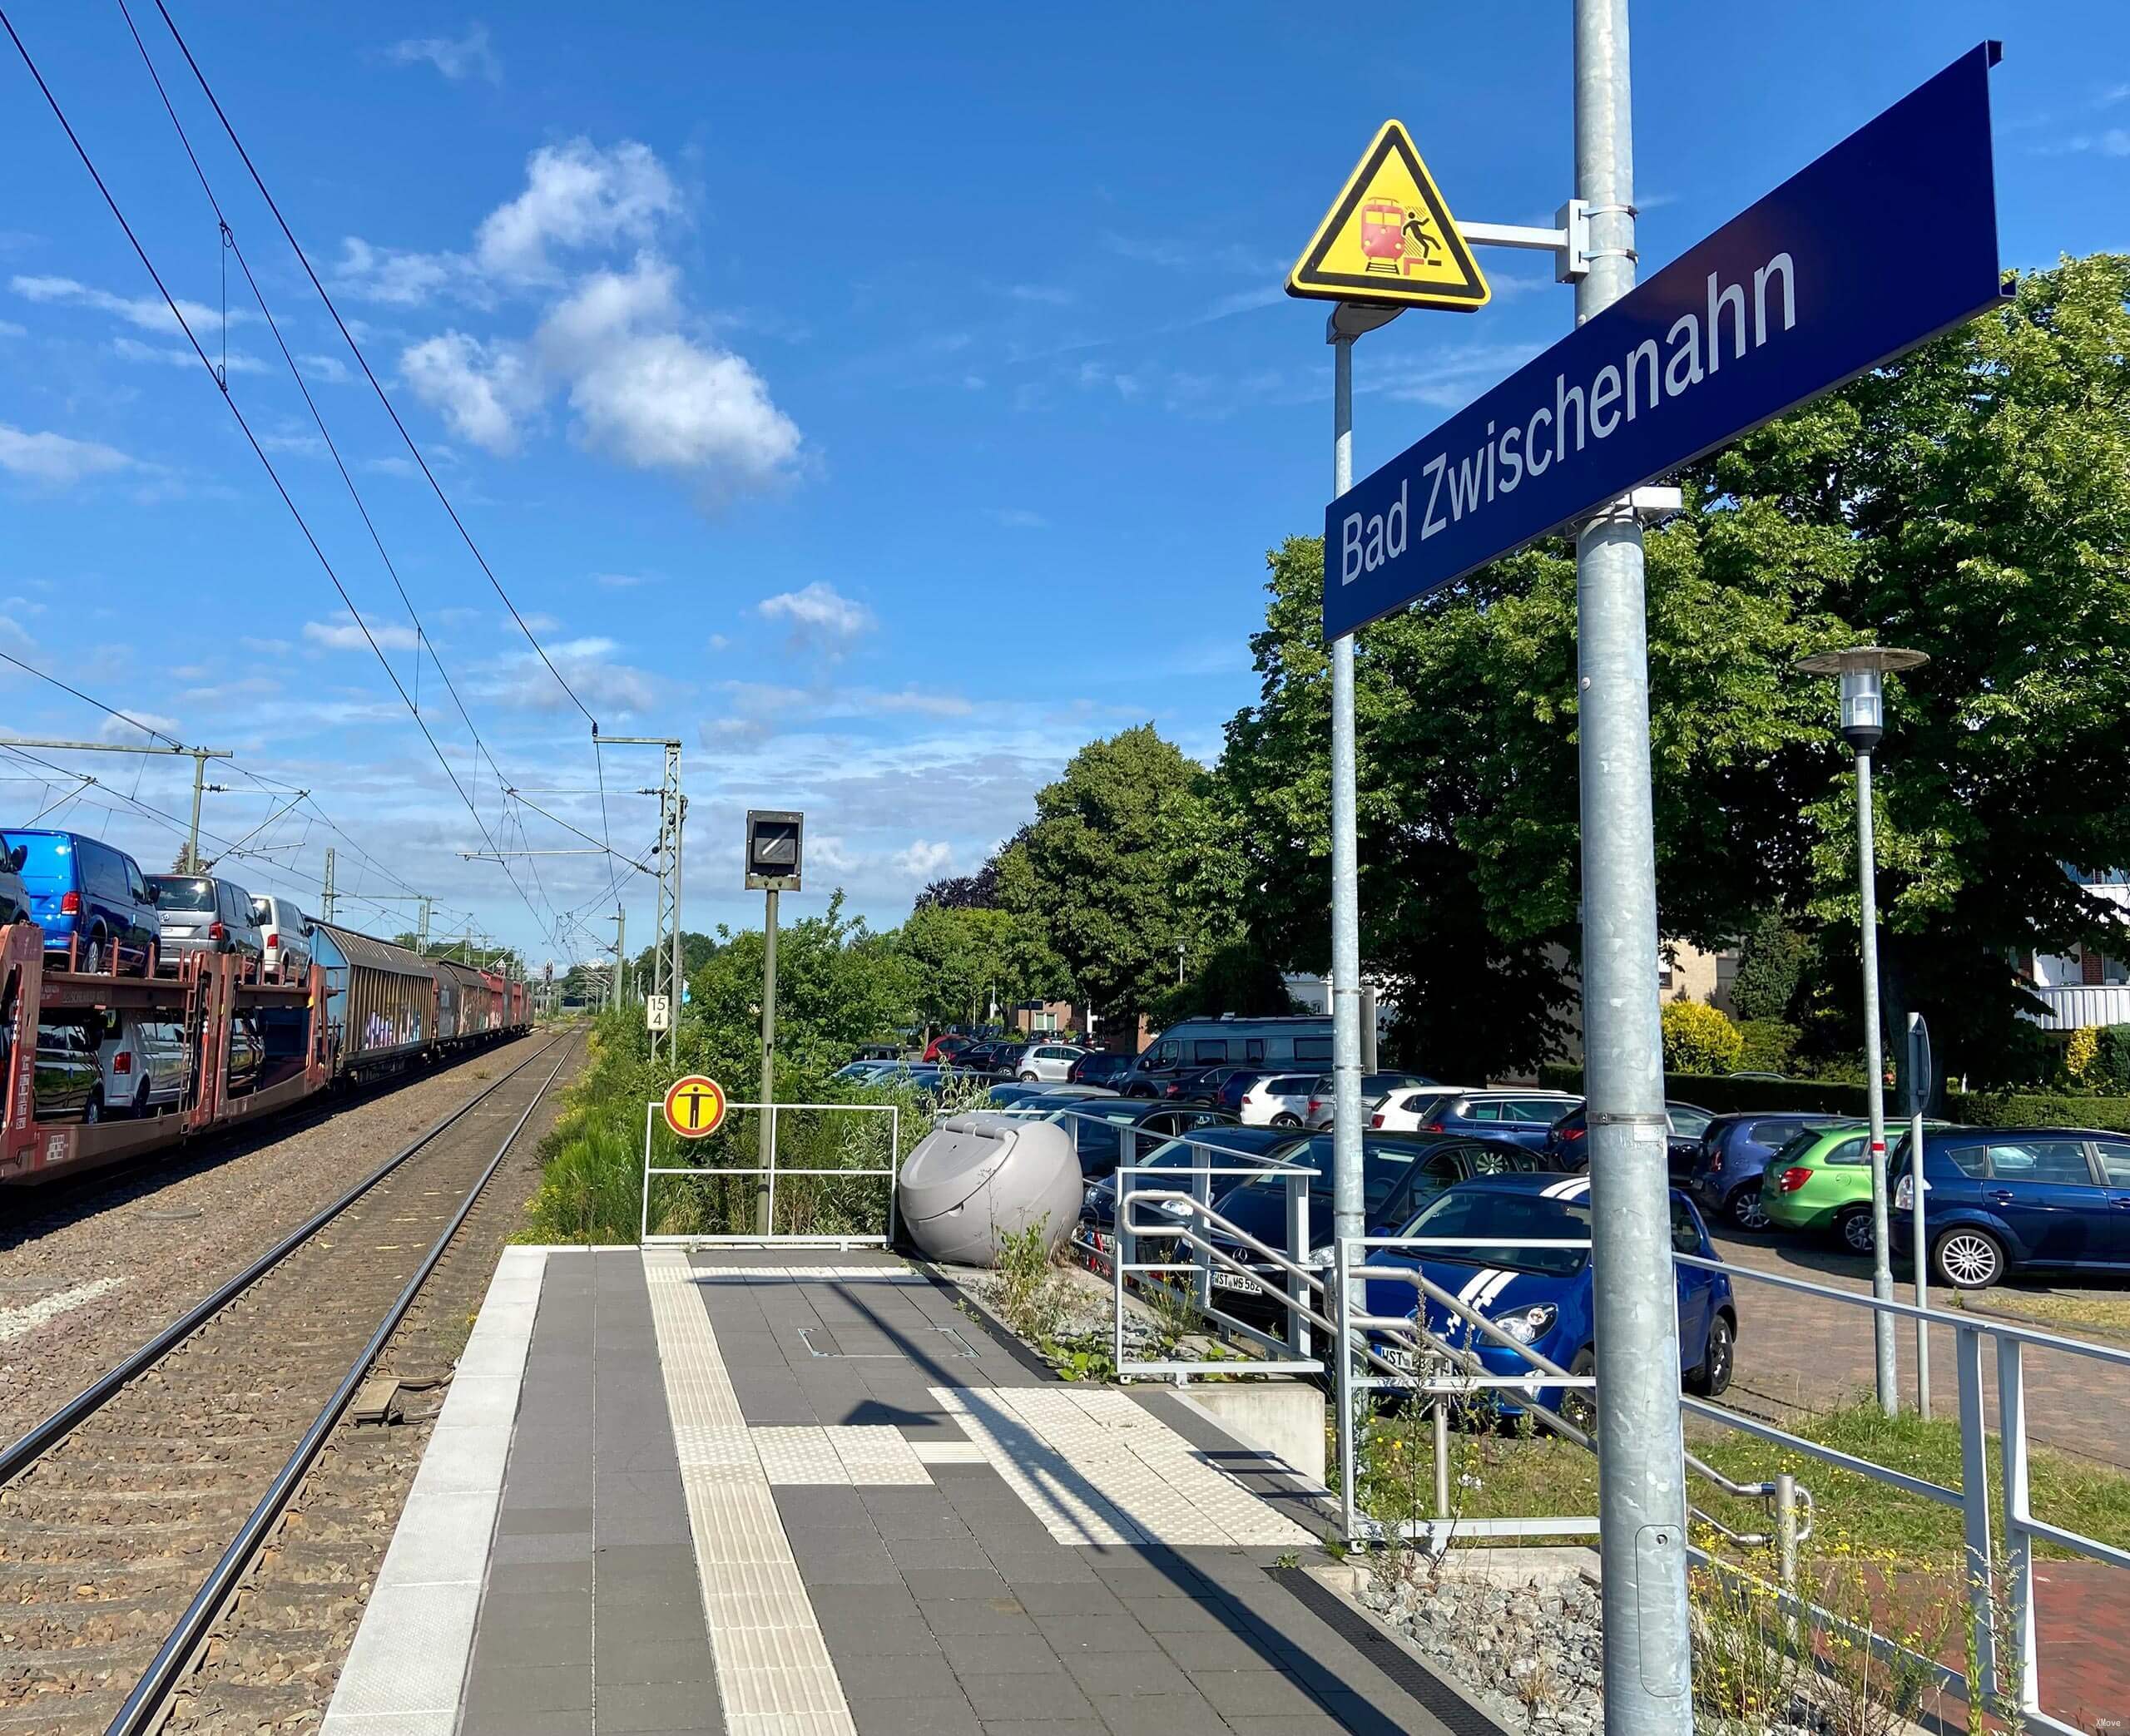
point(765, 1177)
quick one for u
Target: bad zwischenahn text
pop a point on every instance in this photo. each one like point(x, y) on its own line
point(1451, 486)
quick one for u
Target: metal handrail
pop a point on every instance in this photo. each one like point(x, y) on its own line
point(772, 1169)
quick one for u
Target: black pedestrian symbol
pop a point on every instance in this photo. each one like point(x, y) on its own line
point(1416, 228)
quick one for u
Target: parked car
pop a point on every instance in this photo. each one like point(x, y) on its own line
point(14, 895)
point(998, 1055)
point(1290, 1042)
point(1278, 1100)
point(1099, 1066)
point(1820, 1182)
point(144, 1064)
point(1685, 1123)
point(1998, 1201)
point(81, 889)
point(1544, 1298)
point(69, 1081)
point(1012, 1094)
point(1204, 1087)
point(202, 914)
point(863, 1073)
point(283, 938)
point(1734, 1153)
point(1098, 1126)
point(1525, 1117)
point(948, 1045)
point(1407, 1111)
point(1399, 1172)
point(1050, 1062)
point(878, 1051)
point(1374, 1088)
point(1204, 1146)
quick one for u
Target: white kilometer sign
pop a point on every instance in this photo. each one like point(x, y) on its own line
point(658, 1013)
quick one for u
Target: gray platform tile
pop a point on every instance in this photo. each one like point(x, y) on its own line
point(660, 1706)
point(1004, 1614)
point(647, 1524)
point(821, 1507)
point(836, 1557)
point(624, 1658)
point(941, 1715)
point(1253, 1693)
point(1074, 1636)
point(891, 1636)
point(1141, 1575)
point(1052, 1566)
point(542, 1579)
point(922, 1552)
point(928, 1582)
point(511, 1641)
point(523, 1519)
point(1158, 1714)
point(1387, 1713)
point(1051, 1698)
point(1071, 1597)
point(936, 1525)
point(1204, 1615)
point(675, 1623)
point(1305, 1723)
point(924, 1676)
point(493, 1691)
point(621, 1560)
point(1017, 1655)
point(1013, 1534)
point(633, 1491)
point(542, 1546)
point(1045, 1727)
point(1225, 1650)
point(527, 1723)
point(1129, 1672)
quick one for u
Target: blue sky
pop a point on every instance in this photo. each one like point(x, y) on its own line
point(885, 402)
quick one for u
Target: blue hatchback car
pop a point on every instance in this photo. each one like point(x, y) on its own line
point(2000, 1200)
point(1545, 1298)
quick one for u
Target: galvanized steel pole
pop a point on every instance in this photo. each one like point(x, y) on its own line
point(1348, 1204)
point(1875, 1094)
point(765, 1192)
point(1641, 1472)
point(1919, 1088)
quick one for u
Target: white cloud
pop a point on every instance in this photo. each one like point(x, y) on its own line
point(911, 701)
point(2114, 142)
point(482, 389)
point(151, 314)
point(576, 195)
point(923, 861)
point(1046, 294)
point(177, 355)
point(330, 369)
point(619, 581)
point(818, 612)
point(8, 329)
point(344, 633)
point(613, 687)
point(55, 458)
point(1020, 518)
point(656, 399)
point(400, 278)
point(469, 57)
point(114, 729)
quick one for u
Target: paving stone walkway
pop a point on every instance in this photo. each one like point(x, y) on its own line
point(754, 1497)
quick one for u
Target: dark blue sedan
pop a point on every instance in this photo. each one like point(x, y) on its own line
point(1998, 1199)
point(1542, 1297)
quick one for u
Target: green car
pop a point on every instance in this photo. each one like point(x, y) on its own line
point(1822, 1180)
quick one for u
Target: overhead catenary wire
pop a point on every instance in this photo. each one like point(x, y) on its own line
point(88, 163)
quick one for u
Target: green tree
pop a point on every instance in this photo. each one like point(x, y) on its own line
point(1099, 870)
point(1771, 966)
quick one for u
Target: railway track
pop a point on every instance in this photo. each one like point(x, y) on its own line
point(130, 1518)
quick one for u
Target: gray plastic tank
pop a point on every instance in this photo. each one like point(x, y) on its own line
point(976, 1178)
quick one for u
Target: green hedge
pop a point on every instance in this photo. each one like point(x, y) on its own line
point(1973, 1109)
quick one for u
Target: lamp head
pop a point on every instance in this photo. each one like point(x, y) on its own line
point(1861, 671)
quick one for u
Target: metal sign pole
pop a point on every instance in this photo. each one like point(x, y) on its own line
point(1919, 1094)
point(1641, 1496)
point(1349, 1200)
point(766, 1187)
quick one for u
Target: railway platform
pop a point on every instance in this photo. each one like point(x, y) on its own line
point(765, 1491)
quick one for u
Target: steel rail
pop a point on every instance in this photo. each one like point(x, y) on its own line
point(144, 1706)
point(20, 1454)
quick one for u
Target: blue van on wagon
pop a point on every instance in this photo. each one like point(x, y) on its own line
point(82, 888)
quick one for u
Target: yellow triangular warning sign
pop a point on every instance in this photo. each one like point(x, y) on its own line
point(1390, 238)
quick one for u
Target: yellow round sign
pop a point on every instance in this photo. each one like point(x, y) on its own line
point(695, 1106)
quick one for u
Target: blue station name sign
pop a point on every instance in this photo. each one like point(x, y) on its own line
point(1888, 240)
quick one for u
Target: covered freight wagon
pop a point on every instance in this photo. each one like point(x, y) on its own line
point(381, 1000)
point(465, 1004)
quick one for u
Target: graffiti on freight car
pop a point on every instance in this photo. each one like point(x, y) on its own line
point(380, 1032)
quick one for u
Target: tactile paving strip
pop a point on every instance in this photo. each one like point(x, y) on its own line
point(1097, 1468)
point(773, 1668)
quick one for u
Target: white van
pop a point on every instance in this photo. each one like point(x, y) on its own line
point(285, 932)
point(145, 1063)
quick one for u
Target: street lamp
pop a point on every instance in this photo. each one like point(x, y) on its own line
point(1860, 672)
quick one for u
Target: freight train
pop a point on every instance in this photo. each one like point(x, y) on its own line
point(241, 1046)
